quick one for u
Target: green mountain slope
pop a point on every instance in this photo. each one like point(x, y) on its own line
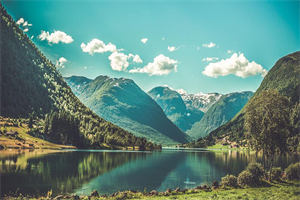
point(283, 77)
point(175, 108)
point(122, 102)
point(30, 83)
point(219, 113)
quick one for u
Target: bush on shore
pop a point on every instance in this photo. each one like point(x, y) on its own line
point(246, 178)
point(229, 181)
point(256, 170)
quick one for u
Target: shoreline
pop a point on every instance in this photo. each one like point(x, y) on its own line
point(276, 190)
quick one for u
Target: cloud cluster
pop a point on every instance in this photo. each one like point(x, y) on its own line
point(161, 65)
point(135, 58)
point(56, 37)
point(60, 63)
point(97, 46)
point(172, 48)
point(144, 40)
point(24, 23)
point(237, 65)
point(118, 61)
point(210, 59)
point(209, 45)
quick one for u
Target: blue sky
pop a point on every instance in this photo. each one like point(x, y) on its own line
point(219, 46)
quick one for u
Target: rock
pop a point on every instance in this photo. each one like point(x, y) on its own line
point(199, 187)
point(94, 194)
point(204, 187)
point(153, 192)
point(177, 190)
point(168, 190)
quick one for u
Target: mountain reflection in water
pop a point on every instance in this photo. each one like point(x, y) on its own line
point(81, 172)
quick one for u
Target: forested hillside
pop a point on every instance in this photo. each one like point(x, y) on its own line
point(284, 77)
point(31, 86)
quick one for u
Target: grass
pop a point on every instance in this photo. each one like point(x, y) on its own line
point(279, 190)
point(23, 140)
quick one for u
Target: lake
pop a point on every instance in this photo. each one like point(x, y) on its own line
point(82, 171)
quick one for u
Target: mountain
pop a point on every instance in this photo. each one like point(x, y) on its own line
point(122, 102)
point(199, 101)
point(219, 113)
point(283, 77)
point(31, 85)
point(175, 108)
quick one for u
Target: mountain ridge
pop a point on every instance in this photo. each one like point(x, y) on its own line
point(123, 102)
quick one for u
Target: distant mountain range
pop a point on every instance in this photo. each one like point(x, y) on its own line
point(123, 103)
point(219, 113)
point(31, 86)
point(175, 108)
point(198, 114)
point(200, 101)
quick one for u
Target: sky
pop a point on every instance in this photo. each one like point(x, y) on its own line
point(199, 46)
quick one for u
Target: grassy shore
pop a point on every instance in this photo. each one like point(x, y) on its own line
point(22, 140)
point(282, 190)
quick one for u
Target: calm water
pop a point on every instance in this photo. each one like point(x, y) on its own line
point(81, 172)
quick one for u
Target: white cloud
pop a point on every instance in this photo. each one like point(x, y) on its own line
point(32, 37)
point(118, 61)
point(209, 45)
point(229, 51)
point(172, 48)
point(163, 38)
point(20, 21)
point(56, 37)
point(24, 23)
point(161, 65)
point(85, 67)
point(144, 40)
point(97, 46)
point(60, 63)
point(237, 64)
point(135, 58)
point(209, 59)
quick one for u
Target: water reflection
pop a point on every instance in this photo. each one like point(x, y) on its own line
point(110, 171)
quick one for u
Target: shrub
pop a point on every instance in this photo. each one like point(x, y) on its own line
point(293, 171)
point(246, 178)
point(229, 181)
point(276, 173)
point(256, 170)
